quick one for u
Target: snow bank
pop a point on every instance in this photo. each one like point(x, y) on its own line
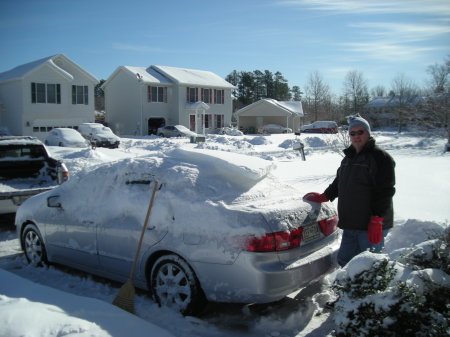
point(30, 309)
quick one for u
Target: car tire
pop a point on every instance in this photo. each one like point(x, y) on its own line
point(33, 246)
point(174, 284)
point(161, 134)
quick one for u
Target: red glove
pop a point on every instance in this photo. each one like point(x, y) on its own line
point(315, 197)
point(375, 229)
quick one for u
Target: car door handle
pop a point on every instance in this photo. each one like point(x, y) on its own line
point(151, 228)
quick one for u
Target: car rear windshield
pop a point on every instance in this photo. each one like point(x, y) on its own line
point(21, 151)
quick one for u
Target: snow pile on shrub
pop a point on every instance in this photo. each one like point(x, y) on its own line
point(407, 296)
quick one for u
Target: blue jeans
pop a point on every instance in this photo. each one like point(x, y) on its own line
point(355, 242)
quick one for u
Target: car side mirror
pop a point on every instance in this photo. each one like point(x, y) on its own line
point(54, 201)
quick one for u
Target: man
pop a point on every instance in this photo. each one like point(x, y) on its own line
point(364, 184)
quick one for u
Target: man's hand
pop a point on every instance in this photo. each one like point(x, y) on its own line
point(375, 229)
point(315, 197)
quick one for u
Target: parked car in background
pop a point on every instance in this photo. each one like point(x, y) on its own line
point(275, 128)
point(320, 127)
point(99, 135)
point(175, 131)
point(26, 169)
point(66, 137)
point(222, 228)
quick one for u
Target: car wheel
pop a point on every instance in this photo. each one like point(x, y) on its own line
point(60, 144)
point(33, 246)
point(174, 284)
point(161, 134)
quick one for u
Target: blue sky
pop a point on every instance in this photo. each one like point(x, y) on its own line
point(380, 38)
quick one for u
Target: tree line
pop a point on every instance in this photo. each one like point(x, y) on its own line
point(319, 103)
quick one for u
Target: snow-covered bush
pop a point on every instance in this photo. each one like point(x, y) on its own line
point(404, 297)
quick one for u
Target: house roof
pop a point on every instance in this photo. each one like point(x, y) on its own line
point(193, 77)
point(392, 101)
point(293, 108)
point(23, 70)
point(148, 75)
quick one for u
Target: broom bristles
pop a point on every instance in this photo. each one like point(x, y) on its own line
point(125, 297)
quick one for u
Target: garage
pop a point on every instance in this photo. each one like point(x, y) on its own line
point(253, 117)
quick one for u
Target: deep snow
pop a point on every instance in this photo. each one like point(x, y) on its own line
point(60, 302)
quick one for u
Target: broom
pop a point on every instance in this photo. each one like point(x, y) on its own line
point(125, 297)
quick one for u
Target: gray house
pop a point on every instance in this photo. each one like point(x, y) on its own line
point(138, 100)
point(44, 94)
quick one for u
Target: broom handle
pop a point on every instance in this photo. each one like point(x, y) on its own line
point(147, 216)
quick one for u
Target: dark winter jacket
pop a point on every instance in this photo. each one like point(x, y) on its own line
point(364, 184)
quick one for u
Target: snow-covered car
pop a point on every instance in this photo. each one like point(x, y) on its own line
point(222, 228)
point(66, 137)
point(275, 128)
point(230, 131)
point(175, 131)
point(99, 135)
point(320, 127)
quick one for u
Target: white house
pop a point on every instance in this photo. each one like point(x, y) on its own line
point(270, 111)
point(138, 100)
point(44, 94)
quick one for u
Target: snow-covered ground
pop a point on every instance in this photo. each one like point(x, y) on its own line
point(57, 301)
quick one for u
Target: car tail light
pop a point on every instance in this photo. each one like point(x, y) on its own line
point(62, 173)
point(275, 241)
point(328, 226)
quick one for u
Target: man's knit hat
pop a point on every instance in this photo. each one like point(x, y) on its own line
point(357, 120)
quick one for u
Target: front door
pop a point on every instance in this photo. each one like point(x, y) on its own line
point(192, 122)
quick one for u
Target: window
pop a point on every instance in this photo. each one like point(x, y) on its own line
point(45, 93)
point(218, 96)
point(191, 95)
point(208, 121)
point(207, 95)
point(219, 121)
point(157, 94)
point(80, 94)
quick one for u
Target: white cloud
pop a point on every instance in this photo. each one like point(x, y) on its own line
point(387, 51)
point(402, 31)
point(431, 7)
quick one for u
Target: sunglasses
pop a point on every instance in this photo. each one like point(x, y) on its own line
point(354, 133)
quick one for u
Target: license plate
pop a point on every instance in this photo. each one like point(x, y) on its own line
point(310, 232)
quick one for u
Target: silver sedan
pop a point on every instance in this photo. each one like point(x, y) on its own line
point(221, 228)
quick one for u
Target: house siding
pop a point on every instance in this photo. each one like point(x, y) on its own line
point(22, 116)
point(124, 101)
point(11, 98)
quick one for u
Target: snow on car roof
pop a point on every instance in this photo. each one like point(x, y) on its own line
point(236, 168)
point(19, 140)
point(196, 180)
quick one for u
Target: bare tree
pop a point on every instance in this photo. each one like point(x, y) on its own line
point(317, 95)
point(405, 92)
point(338, 142)
point(355, 91)
point(378, 91)
point(440, 76)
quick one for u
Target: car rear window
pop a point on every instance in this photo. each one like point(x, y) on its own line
point(21, 151)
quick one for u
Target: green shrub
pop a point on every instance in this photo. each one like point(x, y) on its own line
point(406, 297)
